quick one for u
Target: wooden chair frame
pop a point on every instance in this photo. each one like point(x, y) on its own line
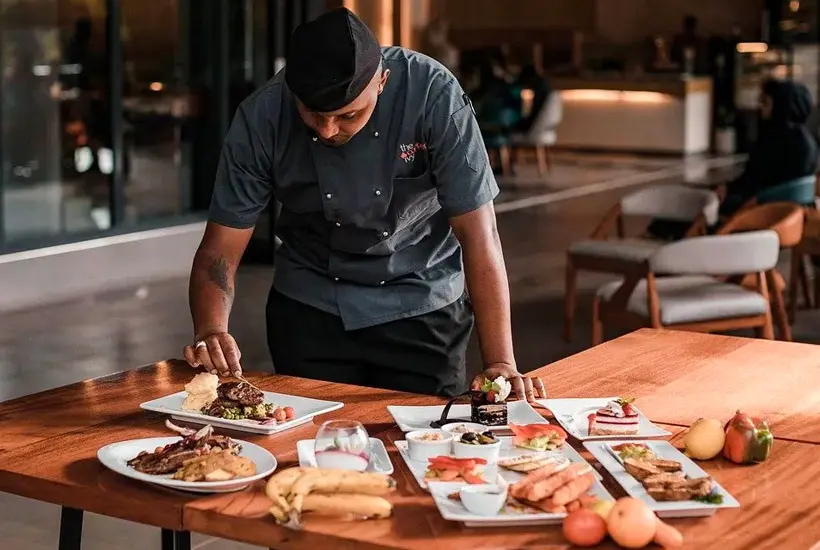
point(614, 219)
point(614, 311)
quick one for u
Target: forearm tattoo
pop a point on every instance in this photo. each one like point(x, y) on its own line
point(218, 275)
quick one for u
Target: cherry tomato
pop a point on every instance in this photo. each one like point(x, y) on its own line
point(279, 414)
point(289, 412)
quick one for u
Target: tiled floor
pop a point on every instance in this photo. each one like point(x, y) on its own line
point(53, 346)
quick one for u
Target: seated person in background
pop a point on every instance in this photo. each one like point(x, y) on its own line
point(529, 79)
point(785, 150)
point(498, 109)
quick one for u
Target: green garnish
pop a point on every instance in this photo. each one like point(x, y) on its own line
point(489, 385)
point(624, 400)
point(711, 498)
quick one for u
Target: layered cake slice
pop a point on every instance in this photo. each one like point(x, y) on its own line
point(489, 404)
point(615, 418)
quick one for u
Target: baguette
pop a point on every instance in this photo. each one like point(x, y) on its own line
point(546, 506)
point(574, 489)
point(546, 487)
point(367, 506)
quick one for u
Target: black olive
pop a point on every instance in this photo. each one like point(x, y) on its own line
point(469, 436)
point(489, 434)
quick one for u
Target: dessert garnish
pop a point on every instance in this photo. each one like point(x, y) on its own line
point(496, 390)
point(617, 418)
point(538, 437)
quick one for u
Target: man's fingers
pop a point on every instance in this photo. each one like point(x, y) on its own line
point(217, 357)
point(528, 389)
point(478, 380)
point(232, 355)
point(190, 356)
point(540, 388)
point(204, 358)
point(518, 387)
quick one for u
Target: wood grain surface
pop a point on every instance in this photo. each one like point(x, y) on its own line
point(49, 443)
point(678, 377)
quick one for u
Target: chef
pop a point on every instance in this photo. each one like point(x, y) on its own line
point(389, 241)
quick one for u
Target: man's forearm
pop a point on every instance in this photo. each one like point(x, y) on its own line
point(490, 295)
point(210, 293)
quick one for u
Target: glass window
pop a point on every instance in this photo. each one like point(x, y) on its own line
point(55, 156)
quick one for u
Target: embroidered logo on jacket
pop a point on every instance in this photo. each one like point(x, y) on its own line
point(409, 150)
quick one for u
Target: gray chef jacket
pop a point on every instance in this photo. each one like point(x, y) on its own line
point(364, 227)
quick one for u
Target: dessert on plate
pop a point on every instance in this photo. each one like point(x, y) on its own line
point(488, 406)
point(616, 418)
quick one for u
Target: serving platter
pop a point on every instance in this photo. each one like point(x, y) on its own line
point(380, 462)
point(115, 457)
point(411, 418)
point(510, 516)
point(305, 409)
point(572, 414)
point(608, 458)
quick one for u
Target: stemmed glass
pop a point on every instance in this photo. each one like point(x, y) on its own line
point(342, 445)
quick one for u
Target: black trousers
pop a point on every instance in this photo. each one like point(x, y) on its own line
point(423, 354)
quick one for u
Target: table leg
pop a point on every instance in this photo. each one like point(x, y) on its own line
point(71, 529)
point(176, 540)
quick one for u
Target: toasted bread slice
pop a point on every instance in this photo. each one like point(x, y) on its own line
point(665, 478)
point(528, 463)
point(700, 487)
point(640, 469)
point(666, 465)
point(668, 494)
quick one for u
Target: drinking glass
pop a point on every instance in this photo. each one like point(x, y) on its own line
point(342, 445)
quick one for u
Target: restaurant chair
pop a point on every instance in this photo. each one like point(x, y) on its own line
point(800, 191)
point(542, 135)
point(693, 295)
point(809, 247)
point(600, 254)
point(787, 220)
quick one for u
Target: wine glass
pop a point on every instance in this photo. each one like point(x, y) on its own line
point(342, 445)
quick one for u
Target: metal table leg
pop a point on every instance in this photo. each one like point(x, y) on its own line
point(176, 540)
point(71, 529)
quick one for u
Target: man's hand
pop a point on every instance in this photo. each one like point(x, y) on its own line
point(218, 353)
point(523, 386)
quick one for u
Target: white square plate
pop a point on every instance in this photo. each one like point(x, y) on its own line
point(304, 408)
point(509, 517)
point(572, 415)
point(419, 418)
point(379, 458)
point(606, 456)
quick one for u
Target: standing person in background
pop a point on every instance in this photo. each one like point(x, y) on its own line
point(690, 43)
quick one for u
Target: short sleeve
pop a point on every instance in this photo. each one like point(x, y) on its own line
point(458, 158)
point(244, 182)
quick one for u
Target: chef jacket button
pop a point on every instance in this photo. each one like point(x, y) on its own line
point(338, 224)
point(315, 139)
point(329, 196)
point(375, 134)
point(378, 192)
point(381, 282)
point(385, 233)
point(336, 279)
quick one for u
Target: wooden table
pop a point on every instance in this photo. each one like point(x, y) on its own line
point(49, 444)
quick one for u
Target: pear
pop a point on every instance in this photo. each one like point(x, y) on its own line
point(705, 439)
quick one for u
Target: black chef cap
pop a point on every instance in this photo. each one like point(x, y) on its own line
point(331, 60)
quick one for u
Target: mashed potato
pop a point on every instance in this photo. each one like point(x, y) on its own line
point(201, 391)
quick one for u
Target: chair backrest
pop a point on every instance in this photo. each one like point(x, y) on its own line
point(672, 202)
point(736, 254)
point(548, 118)
point(785, 218)
point(800, 191)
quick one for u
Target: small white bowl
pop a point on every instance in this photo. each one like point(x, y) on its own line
point(423, 450)
point(487, 452)
point(483, 500)
point(456, 427)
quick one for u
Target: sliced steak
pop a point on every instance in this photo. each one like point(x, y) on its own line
point(240, 392)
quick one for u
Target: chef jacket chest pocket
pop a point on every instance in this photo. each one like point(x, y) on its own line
point(413, 197)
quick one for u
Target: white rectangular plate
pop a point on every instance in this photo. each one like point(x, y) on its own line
point(379, 458)
point(419, 418)
point(572, 415)
point(509, 517)
point(304, 408)
point(665, 450)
